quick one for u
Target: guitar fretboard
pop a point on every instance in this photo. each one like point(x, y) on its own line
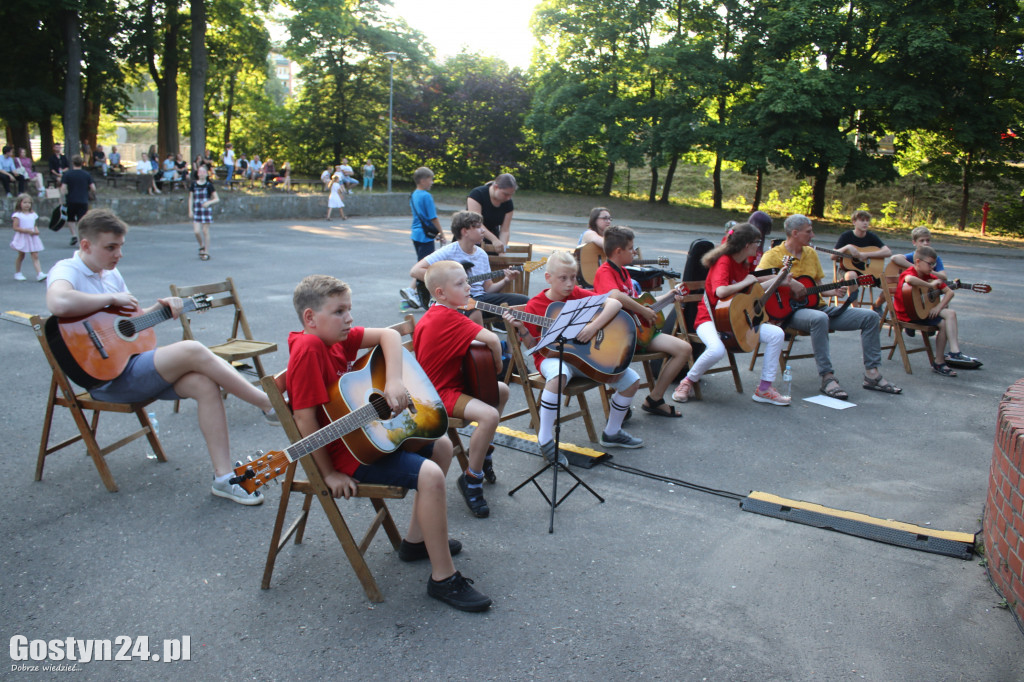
point(161, 314)
point(492, 274)
point(333, 431)
point(539, 320)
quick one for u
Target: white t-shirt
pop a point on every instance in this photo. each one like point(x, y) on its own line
point(229, 157)
point(82, 278)
point(453, 251)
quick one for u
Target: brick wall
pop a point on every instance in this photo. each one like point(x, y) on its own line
point(1004, 510)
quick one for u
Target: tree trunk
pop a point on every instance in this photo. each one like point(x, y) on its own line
point(667, 188)
point(45, 138)
point(609, 178)
point(168, 138)
point(965, 191)
point(17, 137)
point(230, 111)
point(818, 191)
point(652, 192)
point(90, 122)
point(197, 77)
point(758, 190)
point(72, 84)
point(716, 191)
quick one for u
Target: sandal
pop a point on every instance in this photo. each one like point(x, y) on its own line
point(943, 369)
point(836, 392)
point(652, 407)
point(203, 255)
point(877, 385)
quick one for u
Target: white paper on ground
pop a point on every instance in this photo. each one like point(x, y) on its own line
point(834, 403)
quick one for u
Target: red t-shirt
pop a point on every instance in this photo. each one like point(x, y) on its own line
point(539, 304)
point(610, 276)
point(440, 341)
point(724, 272)
point(312, 367)
point(897, 299)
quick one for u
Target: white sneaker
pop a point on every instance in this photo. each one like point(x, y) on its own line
point(20, 277)
point(236, 493)
point(411, 296)
point(41, 276)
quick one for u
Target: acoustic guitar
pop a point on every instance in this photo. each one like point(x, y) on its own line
point(359, 416)
point(479, 376)
point(920, 302)
point(602, 359)
point(737, 317)
point(93, 349)
point(645, 331)
point(591, 256)
point(865, 266)
point(782, 304)
point(528, 266)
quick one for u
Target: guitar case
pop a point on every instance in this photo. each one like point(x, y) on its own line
point(58, 217)
point(694, 270)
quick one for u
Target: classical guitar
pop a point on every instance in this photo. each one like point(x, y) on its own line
point(603, 358)
point(480, 378)
point(93, 349)
point(590, 257)
point(645, 331)
point(737, 317)
point(782, 304)
point(359, 416)
point(528, 266)
point(920, 302)
point(865, 266)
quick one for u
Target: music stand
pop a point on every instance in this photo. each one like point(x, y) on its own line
point(571, 320)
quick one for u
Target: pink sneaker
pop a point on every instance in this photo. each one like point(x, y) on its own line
point(682, 392)
point(770, 396)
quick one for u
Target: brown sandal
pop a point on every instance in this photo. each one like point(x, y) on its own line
point(651, 406)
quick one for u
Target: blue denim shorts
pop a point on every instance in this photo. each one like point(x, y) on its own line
point(401, 468)
point(138, 382)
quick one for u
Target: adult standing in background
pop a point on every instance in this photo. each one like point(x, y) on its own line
point(58, 164)
point(77, 184)
point(494, 202)
point(229, 163)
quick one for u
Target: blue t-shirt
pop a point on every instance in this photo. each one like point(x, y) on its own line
point(422, 205)
point(938, 261)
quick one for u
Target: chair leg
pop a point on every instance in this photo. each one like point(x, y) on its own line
point(458, 449)
point(89, 437)
point(735, 372)
point(44, 439)
point(275, 535)
point(388, 522)
point(587, 419)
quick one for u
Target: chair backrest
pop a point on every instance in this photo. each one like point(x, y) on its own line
point(221, 294)
point(521, 367)
point(405, 329)
point(62, 380)
point(514, 254)
point(276, 388)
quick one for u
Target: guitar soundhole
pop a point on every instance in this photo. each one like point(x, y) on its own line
point(126, 328)
point(380, 406)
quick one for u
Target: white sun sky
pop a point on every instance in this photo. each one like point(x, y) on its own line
point(496, 29)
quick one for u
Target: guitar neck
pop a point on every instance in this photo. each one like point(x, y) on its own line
point(648, 261)
point(539, 320)
point(831, 252)
point(831, 285)
point(492, 274)
point(161, 314)
point(350, 422)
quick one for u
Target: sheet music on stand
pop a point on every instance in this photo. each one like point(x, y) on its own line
point(574, 316)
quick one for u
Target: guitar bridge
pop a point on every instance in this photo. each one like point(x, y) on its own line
point(94, 337)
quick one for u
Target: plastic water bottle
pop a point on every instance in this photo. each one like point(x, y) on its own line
point(156, 431)
point(405, 307)
point(787, 382)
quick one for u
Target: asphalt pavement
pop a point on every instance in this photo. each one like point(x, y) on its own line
point(661, 581)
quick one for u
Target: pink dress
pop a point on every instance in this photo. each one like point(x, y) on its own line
point(26, 243)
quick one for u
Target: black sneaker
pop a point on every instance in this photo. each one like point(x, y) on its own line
point(474, 499)
point(458, 591)
point(415, 551)
point(74, 240)
point(489, 466)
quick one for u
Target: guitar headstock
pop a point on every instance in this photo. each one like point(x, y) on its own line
point(868, 281)
point(530, 266)
point(256, 473)
point(980, 287)
point(201, 301)
point(662, 262)
point(787, 263)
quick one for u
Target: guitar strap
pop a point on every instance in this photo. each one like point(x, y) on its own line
point(836, 312)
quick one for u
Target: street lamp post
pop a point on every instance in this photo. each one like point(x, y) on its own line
point(392, 56)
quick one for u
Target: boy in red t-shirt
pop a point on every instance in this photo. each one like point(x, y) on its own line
point(441, 340)
point(943, 319)
point(561, 279)
point(612, 276)
point(318, 355)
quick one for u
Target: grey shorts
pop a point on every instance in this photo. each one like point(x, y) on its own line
point(138, 382)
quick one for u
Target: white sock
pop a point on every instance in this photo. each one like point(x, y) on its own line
point(548, 405)
point(224, 478)
point(617, 413)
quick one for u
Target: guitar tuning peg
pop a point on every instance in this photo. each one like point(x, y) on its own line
point(260, 453)
point(238, 463)
point(249, 458)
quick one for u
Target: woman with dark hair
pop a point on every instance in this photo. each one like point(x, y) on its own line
point(600, 220)
point(494, 202)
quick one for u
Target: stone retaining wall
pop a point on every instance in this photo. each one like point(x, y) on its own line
point(234, 206)
point(1004, 511)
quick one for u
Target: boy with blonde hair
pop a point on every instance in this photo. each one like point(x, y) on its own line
point(561, 279)
point(441, 340)
point(318, 355)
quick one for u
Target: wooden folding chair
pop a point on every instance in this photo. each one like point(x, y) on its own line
point(314, 486)
point(525, 375)
point(514, 254)
point(62, 394)
point(236, 348)
point(890, 284)
point(696, 297)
